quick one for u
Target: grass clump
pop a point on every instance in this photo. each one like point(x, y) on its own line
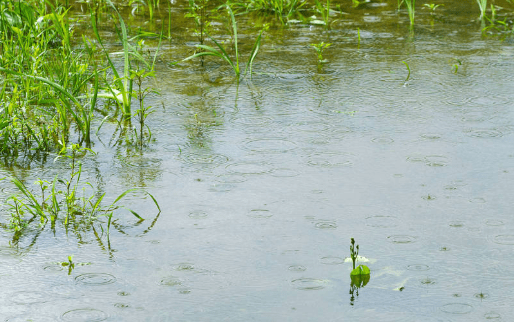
point(220, 51)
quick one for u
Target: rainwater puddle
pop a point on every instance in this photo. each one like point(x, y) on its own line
point(417, 171)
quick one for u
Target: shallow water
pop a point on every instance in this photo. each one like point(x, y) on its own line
point(263, 189)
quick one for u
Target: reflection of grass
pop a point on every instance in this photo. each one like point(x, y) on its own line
point(281, 8)
point(61, 201)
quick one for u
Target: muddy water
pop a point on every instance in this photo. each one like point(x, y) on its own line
point(263, 184)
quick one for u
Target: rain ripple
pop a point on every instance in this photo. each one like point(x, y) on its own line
point(95, 279)
point(457, 308)
point(402, 239)
point(87, 314)
point(309, 284)
point(271, 145)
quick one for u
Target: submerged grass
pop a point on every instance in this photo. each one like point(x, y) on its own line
point(221, 52)
point(482, 5)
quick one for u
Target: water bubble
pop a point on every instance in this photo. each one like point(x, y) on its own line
point(484, 133)
point(87, 314)
point(184, 267)
point(402, 239)
point(95, 279)
point(170, 281)
point(260, 213)
point(457, 308)
point(309, 284)
point(326, 224)
point(297, 268)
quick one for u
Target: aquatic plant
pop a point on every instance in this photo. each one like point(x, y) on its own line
point(456, 63)
point(139, 75)
point(198, 11)
point(408, 69)
point(360, 275)
point(482, 4)
point(221, 52)
point(411, 9)
point(320, 47)
point(432, 7)
point(151, 5)
point(324, 11)
point(354, 251)
point(121, 89)
point(70, 264)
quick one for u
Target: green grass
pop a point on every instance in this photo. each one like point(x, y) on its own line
point(221, 52)
point(482, 5)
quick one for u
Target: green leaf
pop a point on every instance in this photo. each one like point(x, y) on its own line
point(361, 270)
